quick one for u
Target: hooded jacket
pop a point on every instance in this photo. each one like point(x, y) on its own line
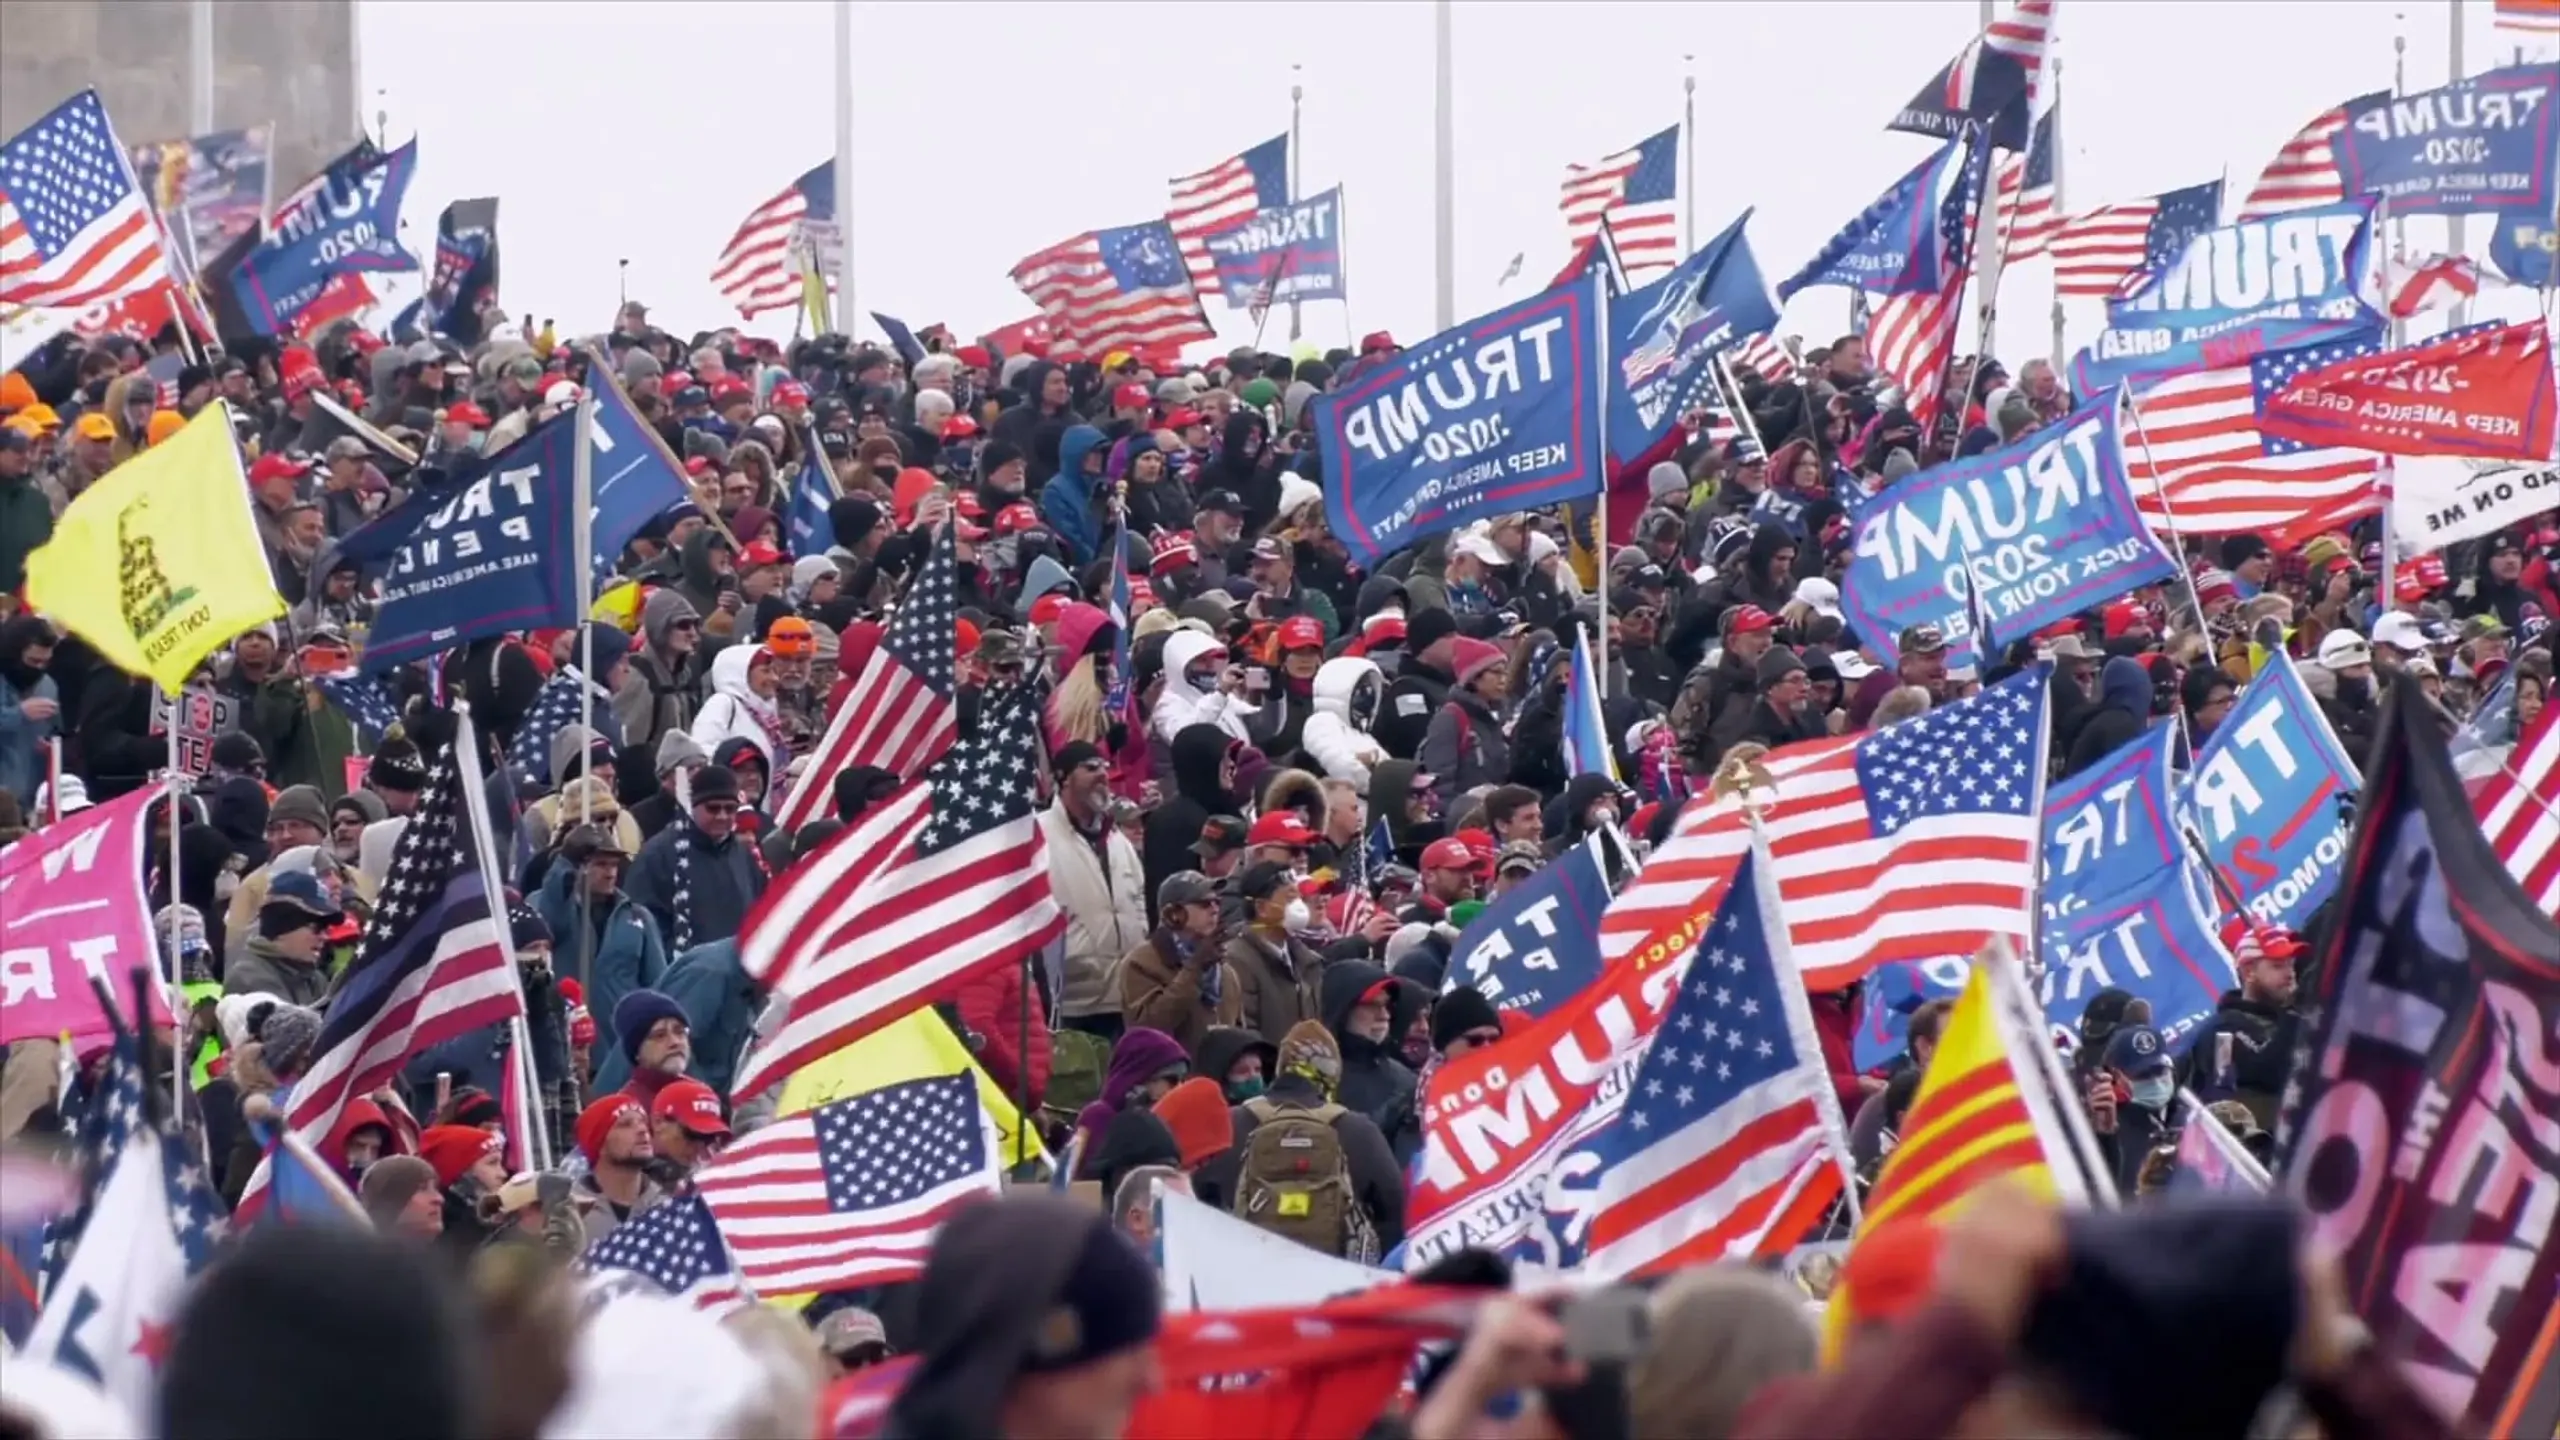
point(1464, 748)
point(1377, 1180)
point(1348, 692)
point(1166, 503)
point(610, 949)
point(1183, 704)
point(1103, 892)
point(22, 765)
point(1194, 795)
point(1067, 501)
point(656, 696)
point(700, 585)
point(1139, 1057)
point(724, 881)
point(2123, 709)
point(1161, 989)
point(1375, 1080)
point(732, 711)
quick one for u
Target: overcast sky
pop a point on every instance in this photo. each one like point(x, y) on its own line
point(984, 132)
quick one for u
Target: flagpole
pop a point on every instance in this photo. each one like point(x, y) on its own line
point(176, 969)
point(2460, 222)
point(844, 163)
point(2160, 492)
point(200, 67)
point(2061, 1109)
point(484, 849)
point(1297, 93)
point(1688, 155)
point(1600, 537)
point(582, 499)
point(2059, 209)
point(1444, 182)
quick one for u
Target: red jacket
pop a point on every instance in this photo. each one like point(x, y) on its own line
point(996, 1006)
point(1838, 1026)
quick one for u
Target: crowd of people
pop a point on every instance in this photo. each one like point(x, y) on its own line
point(1265, 857)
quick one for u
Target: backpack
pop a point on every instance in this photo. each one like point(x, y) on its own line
point(1078, 1061)
point(1296, 1181)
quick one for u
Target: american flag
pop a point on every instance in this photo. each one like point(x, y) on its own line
point(555, 709)
point(1118, 289)
point(2100, 252)
point(1638, 192)
point(946, 878)
point(674, 1247)
point(2529, 20)
point(1912, 333)
point(899, 713)
point(1222, 197)
point(431, 966)
point(74, 227)
point(2027, 186)
point(2200, 465)
point(754, 271)
point(2306, 172)
point(365, 700)
point(1764, 354)
point(850, 1193)
point(2519, 809)
point(1908, 844)
point(1722, 1150)
point(109, 1124)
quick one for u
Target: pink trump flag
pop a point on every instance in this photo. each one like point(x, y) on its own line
point(72, 903)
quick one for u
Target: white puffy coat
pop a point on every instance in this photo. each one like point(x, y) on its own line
point(1339, 744)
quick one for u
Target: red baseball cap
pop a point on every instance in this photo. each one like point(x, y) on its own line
point(1281, 827)
point(675, 380)
point(1048, 607)
point(1448, 853)
point(1750, 617)
point(1302, 632)
point(1480, 842)
point(1128, 397)
point(463, 412)
point(275, 466)
point(1016, 517)
point(1181, 418)
point(759, 553)
point(790, 392)
point(2123, 617)
point(693, 1106)
point(730, 386)
point(1377, 340)
point(976, 357)
point(698, 466)
point(959, 427)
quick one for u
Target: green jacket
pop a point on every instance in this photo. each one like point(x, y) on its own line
point(26, 522)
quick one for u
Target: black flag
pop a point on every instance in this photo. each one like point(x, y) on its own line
point(2419, 1129)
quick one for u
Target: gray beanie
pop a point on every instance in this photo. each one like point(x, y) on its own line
point(303, 803)
point(638, 364)
point(391, 1182)
point(287, 1035)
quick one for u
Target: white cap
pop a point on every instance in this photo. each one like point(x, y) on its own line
point(2401, 633)
point(1853, 665)
point(2340, 649)
point(1482, 548)
point(1821, 594)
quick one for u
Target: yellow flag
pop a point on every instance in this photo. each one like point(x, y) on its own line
point(159, 564)
point(918, 1047)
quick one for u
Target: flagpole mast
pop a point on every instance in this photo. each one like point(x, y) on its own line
point(844, 164)
point(1444, 183)
point(475, 808)
point(1688, 155)
point(1297, 93)
point(200, 67)
point(176, 971)
point(1600, 282)
point(2461, 223)
point(582, 498)
point(2059, 152)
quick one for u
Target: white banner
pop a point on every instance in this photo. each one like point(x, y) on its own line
point(2437, 501)
point(1213, 1261)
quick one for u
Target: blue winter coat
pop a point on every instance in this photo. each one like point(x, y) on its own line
point(1067, 502)
point(22, 768)
point(630, 954)
point(720, 1005)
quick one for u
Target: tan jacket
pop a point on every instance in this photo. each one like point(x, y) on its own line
point(1161, 993)
point(1275, 999)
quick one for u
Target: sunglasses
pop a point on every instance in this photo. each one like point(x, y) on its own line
point(720, 807)
point(686, 625)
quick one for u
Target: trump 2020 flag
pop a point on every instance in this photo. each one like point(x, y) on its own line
point(2267, 788)
point(1664, 338)
point(1498, 415)
point(1894, 243)
point(2043, 528)
point(2482, 393)
point(349, 223)
point(1537, 944)
point(2485, 142)
point(811, 532)
point(1281, 255)
point(1730, 1142)
point(1586, 733)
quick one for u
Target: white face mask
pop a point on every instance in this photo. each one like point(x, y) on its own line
point(2153, 1092)
point(1297, 917)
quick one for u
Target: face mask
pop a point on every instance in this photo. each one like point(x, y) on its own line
point(2154, 1092)
point(1297, 917)
point(1245, 1089)
point(1417, 1053)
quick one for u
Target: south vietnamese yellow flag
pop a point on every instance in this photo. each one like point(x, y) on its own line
point(159, 563)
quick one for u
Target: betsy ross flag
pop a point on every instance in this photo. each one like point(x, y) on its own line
point(1124, 288)
point(1908, 844)
point(2306, 171)
point(755, 270)
point(2519, 810)
point(2100, 252)
point(672, 1248)
point(850, 1193)
point(1222, 197)
point(1722, 1149)
point(2201, 464)
point(74, 227)
point(899, 713)
point(2027, 186)
point(1637, 192)
point(431, 966)
point(944, 879)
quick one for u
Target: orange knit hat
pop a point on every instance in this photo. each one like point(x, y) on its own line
point(1196, 1112)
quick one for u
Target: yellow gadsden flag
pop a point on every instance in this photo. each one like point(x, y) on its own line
point(919, 1047)
point(159, 563)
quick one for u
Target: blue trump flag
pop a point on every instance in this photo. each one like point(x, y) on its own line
point(631, 478)
point(812, 491)
point(2266, 792)
point(2233, 291)
point(1498, 415)
point(2487, 142)
point(2043, 528)
point(350, 222)
point(2526, 249)
point(1664, 338)
point(1538, 943)
point(1292, 252)
point(480, 555)
point(1892, 243)
point(902, 336)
